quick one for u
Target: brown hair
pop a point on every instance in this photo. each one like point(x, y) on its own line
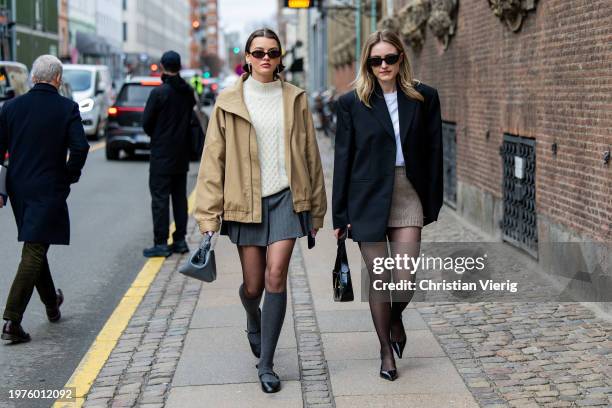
point(267, 33)
point(365, 82)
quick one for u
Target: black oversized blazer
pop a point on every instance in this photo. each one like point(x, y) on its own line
point(38, 129)
point(364, 164)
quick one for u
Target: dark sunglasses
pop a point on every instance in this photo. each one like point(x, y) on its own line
point(390, 59)
point(259, 54)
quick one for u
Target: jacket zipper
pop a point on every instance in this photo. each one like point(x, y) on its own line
point(251, 174)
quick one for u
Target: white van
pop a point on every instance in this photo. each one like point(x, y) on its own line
point(92, 90)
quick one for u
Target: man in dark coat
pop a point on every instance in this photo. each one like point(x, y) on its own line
point(38, 129)
point(167, 120)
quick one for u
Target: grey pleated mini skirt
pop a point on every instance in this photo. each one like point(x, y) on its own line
point(278, 222)
point(406, 209)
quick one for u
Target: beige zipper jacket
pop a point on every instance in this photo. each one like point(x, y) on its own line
point(229, 179)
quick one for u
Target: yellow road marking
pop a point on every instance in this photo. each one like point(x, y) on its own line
point(95, 358)
point(97, 146)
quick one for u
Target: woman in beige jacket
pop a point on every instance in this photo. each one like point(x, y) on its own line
point(261, 175)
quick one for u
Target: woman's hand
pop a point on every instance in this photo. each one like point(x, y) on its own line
point(313, 232)
point(339, 231)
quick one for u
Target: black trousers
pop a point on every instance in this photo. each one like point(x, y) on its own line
point(33, 271)
point(163, 187)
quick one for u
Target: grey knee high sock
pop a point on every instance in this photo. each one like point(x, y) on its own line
point(251, 306)
point(272, 318)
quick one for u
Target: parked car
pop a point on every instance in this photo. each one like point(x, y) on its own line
point(124, 130)
point(66, 90)
point(211, 90)
point(124, 126)
point(92, 90)
point(13, 80)
point(13, 83)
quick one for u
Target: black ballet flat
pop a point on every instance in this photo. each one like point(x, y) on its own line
point(389, 375)
point(270, 387)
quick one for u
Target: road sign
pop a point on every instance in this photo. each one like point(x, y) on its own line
point(299, 3)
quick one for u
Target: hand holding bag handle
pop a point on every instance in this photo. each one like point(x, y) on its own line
point(201, 263)
point(341, 275)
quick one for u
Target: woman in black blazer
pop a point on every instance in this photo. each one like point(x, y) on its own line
point(387, 175)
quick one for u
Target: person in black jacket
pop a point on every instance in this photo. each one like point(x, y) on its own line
point(38, 129)
point(167, 119)
point(387, 180)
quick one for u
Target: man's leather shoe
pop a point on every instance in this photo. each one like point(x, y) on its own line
point(53, 313)
point(162, 250)
point(179, 247)
point(13, 332)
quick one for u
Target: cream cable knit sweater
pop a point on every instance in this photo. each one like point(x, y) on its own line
point(264, 101)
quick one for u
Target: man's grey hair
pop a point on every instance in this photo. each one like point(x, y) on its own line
point(46, 68)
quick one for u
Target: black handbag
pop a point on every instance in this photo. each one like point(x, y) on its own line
point(341, 275)
point(201, 264)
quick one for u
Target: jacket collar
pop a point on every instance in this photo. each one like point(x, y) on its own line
point(406, 111)
point(232, 99)
point(44, 87)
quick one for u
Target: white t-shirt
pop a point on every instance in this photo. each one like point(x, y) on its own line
point(391, 99)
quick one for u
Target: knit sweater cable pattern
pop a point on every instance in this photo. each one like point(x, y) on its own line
point(264, 102)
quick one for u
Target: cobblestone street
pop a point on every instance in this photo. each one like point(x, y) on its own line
point(185, 346)
point(523, 354)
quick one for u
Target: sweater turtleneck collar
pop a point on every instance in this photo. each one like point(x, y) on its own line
point(262, 88)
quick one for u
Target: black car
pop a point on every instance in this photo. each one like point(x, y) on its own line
point(124, 130)
point(124, 126)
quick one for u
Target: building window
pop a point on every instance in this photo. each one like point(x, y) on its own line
point(124, 32)
point(38, 18)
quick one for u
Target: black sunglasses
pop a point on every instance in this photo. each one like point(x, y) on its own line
point(390, 59)
point(259, 54)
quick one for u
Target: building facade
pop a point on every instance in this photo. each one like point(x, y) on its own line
point(63, 30)
point(212, 27)
point(81, 30)
point(35, 31)
point(151, 27)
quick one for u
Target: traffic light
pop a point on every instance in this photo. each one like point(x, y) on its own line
point(236, 50)
point(299, 3)
point(207, 74)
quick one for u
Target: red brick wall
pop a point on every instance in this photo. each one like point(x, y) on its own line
point(551, 81)
point(343, 77)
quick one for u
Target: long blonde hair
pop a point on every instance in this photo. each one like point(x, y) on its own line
point(365, 82)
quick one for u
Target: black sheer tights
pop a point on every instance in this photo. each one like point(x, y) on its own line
point(386, 315)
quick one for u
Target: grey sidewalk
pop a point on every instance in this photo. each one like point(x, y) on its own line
point(186, 345)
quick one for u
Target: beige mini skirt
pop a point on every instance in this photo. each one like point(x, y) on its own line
point(406, 209)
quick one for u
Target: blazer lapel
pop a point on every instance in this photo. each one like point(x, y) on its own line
point(381, 112)
point(406, 111)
